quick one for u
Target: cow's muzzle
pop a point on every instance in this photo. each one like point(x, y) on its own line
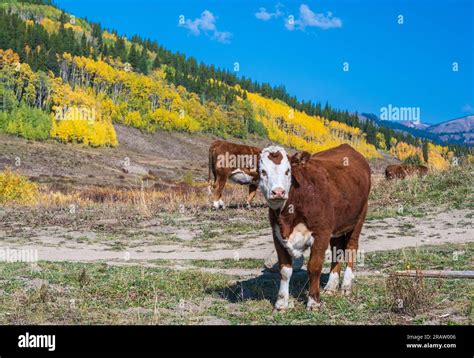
point(278, 194)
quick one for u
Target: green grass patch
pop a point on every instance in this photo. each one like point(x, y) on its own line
point(229, 263)
point(448, 256)
point(97, 293)
point(452, 189)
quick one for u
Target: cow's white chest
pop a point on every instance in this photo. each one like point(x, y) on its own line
point(298, 241)
point(240, 177)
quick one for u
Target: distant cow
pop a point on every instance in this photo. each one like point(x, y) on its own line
point(232, 161)
point(315, 201)
point(401, 171)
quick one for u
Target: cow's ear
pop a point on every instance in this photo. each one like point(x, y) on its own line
point(300, 158)
point(296, 175)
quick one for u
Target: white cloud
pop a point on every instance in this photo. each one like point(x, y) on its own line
point(307, 18)
point(222, 36)
point(265, 15)
point(206, 24)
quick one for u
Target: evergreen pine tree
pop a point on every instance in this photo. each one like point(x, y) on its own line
point(133, 57)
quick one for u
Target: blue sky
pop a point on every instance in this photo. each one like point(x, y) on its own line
point(405, 65)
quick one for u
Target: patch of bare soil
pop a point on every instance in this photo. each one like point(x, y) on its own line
point(214, 236)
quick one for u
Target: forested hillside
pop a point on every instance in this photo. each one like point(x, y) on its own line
point(65, 78)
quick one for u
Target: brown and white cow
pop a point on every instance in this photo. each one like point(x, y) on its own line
point(315, 201)
point(401, 171)
point(236, 162)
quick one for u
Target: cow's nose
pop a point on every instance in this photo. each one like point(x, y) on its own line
point(278, 193)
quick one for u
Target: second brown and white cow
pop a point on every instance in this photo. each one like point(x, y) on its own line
point(315, 201)
point(236, 162)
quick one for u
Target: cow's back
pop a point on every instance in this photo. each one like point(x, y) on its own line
point(401, 171)
point(345, 165)
point(343, 177)
point(219, 147)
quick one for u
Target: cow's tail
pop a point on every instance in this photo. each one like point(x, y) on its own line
point(210, 169)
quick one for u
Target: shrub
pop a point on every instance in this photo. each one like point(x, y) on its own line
point(258, 128)
point(413, 159)
point(15, 188)
point(408, 294)
point(26, 122)
point(188, 177)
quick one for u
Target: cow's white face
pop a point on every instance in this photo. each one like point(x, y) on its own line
point(275, 176)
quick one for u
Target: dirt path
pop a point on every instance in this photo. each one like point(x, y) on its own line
point(52, 244)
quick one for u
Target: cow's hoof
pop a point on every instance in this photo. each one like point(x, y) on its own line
point(281, 304)
point(248, 206)
point(333, 284)
point(221, 204)
point(346, 286)
point(346, 290)
point(313, 305)
point(330, 292)
point(218, 204)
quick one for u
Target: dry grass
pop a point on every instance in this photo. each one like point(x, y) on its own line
point(452, 188)
point(408, 294)
point(146, 201)
point(439, 189)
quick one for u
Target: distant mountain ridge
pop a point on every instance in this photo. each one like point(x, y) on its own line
point(455, 131)
point(459, 130)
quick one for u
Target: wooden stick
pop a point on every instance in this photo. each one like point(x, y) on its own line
point(437, 273)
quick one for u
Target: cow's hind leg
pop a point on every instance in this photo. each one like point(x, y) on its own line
point(337, 246)
point(218, 188)
point(315, 266)
point(285, 264)
point(252, 192)
point(350, 252)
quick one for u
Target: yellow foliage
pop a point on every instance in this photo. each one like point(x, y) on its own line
point(8, 58)
point(79, 117)
point(75, 28)
point(149, 101)
point(304, 132)
point(133, 119)
point(438, 157)
point(404, 150)
point(169, 121)
point(109, 36)
point(15, 188)
point(50, 25)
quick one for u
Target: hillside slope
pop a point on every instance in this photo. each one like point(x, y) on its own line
point(460, 130)
point(73, 81)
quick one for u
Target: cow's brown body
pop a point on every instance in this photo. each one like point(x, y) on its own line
point(327, 200)
point(240, 171)
point(401, 171)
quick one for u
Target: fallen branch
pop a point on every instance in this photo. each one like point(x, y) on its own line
point(436, 273)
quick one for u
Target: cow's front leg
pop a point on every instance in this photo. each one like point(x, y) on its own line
point(284, 291)
point(285, 264)
point(315, 266)
point(252, 192)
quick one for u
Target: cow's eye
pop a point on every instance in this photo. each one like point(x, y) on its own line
point(287, 172)
point(264, 173)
